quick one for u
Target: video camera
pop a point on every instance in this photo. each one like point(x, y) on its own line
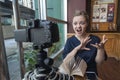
point(40, 32)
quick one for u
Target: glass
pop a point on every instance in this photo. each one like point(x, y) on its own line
point(110, 27)
point(114, 27)
point(97, 27)
point(55, 10)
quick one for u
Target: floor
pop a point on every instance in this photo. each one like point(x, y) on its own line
point(110, 70)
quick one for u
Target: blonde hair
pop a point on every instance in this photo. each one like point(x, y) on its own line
point(82, 13)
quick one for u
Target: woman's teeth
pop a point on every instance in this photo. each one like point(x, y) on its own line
point(79, 30)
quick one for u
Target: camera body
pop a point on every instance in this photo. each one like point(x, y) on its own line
point(40, 32)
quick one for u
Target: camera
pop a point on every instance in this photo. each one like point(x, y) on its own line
point(40, 32)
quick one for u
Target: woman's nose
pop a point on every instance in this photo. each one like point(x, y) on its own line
point(78, 25)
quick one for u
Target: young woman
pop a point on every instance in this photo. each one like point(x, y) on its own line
point(87, 46)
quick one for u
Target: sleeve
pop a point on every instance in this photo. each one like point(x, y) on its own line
point(67, 49)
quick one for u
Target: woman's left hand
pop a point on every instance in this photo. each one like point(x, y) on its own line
point(101, 44)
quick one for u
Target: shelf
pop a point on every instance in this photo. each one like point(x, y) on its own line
point(103, 15)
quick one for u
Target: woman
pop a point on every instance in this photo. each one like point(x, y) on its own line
point(87, 46)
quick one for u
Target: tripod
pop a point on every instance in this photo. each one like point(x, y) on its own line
point(44, 69)
point(44, 63)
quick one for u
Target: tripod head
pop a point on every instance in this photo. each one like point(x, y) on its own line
point(42, 58)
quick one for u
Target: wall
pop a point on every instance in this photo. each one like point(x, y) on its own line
point(72, 6)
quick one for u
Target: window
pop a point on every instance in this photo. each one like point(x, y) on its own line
point(55, 10)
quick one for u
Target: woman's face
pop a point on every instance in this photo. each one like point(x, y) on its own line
point(79, 25)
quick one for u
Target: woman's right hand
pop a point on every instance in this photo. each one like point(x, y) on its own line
point(83, 44)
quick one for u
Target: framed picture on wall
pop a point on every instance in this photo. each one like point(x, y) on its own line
point(96, 13)
point(103, 12)
point(111, 8)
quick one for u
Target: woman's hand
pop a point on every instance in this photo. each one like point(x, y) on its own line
point(101, 44)
point(83, 44)
point(100, 57)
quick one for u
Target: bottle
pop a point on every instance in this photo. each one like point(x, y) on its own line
point(97, 27)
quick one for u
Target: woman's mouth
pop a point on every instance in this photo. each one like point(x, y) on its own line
point(79, 30)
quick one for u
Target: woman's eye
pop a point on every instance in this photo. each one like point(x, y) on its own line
point(75, 23)
point(82, 22)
